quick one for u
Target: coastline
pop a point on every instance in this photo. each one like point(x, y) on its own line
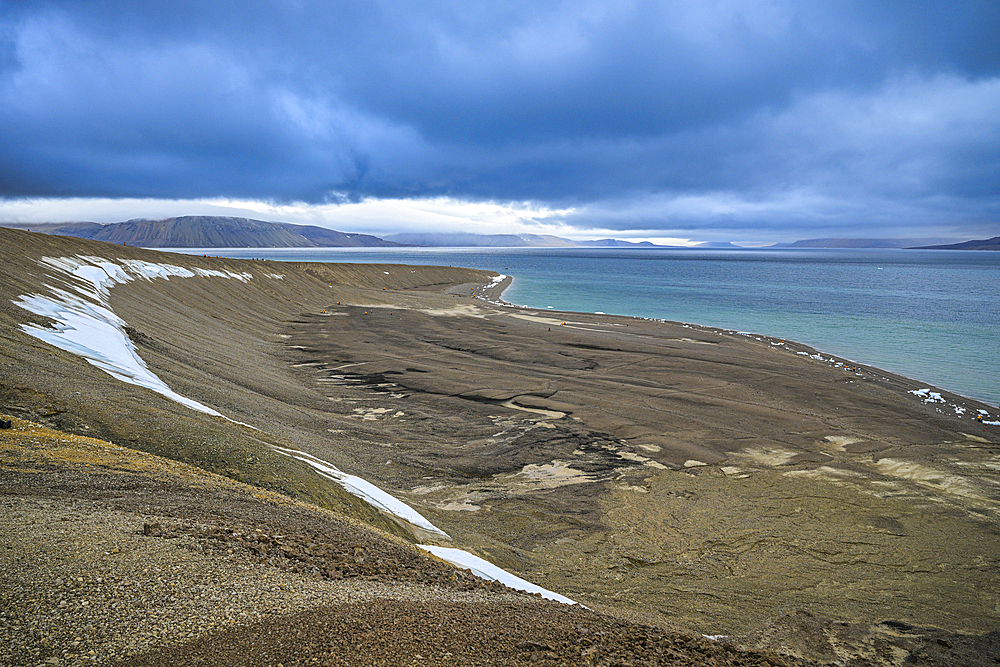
point(663, 472)
point(494, 294)
point(838, 326)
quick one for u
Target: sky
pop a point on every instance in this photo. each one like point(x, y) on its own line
point(751, 121)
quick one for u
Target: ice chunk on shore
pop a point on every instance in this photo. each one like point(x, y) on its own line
point(487, 570)
point(927, 395)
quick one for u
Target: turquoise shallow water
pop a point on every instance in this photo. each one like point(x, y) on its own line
point(930, 315)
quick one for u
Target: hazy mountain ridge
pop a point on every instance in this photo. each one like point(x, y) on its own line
point(321, 236)
point(461, 239)
point(616, 243)
point(471, 240)
point(208, 232)
point(234, 232)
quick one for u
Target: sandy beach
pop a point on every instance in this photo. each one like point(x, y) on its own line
point(677, 480)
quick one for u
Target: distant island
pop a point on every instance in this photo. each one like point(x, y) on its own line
point(856, 243)
point(985, 244)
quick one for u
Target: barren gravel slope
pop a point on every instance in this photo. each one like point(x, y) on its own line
point(659, 472)
point(111, 556)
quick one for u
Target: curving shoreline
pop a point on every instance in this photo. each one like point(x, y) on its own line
point(653, 470)
point(494, 294)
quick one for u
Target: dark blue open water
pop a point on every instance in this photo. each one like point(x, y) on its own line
point(931, 315)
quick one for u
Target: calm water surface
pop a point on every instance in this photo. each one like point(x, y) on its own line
point(926, 314)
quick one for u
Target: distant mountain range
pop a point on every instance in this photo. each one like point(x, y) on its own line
point(204, 231)
point(195, 231)
point(467, 240)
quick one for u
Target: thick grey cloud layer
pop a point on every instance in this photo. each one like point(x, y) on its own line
point(643, 115)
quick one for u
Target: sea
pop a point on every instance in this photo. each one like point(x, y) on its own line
point(930, 315)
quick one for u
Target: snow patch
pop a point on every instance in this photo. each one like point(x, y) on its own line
point(365, 490)
point(487, 570)
point(85, 325)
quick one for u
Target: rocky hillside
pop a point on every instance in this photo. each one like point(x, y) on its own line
point(662, 474)
point(112, 556)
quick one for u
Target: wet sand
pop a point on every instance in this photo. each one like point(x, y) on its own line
point(661, 472)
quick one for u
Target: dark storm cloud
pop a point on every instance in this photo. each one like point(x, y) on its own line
point(778, 112)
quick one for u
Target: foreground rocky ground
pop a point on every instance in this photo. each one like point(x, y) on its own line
point(111, 556)
point(660, 473)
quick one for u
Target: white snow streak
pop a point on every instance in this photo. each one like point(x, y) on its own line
point(86, 326)
point(367, 491)
point(487, 570)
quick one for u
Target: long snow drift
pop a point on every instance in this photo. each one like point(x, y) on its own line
point(85, 325)
point(487, 570)
point(365, 490)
